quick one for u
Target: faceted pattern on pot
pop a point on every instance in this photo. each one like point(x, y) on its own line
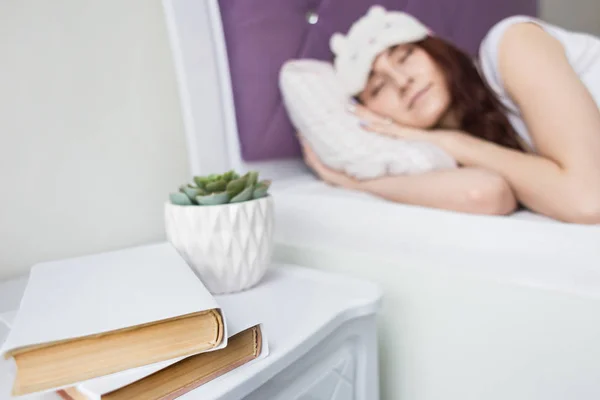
point(229, 246)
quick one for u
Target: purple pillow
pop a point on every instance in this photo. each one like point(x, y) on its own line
point(262, 34)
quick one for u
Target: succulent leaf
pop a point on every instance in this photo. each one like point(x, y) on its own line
point(245, 195)
point(266, 183)
point(252, 177)
point(259, 193)
point(180, 199)
point(235, 187)
point(216, 186)
point(213, 199)
point(192, 191)
point(201, 181)
point(261, 189)
point(229, 176)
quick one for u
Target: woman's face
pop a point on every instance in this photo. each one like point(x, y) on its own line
point(407, 86)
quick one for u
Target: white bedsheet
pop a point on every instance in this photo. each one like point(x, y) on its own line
point(525, 247)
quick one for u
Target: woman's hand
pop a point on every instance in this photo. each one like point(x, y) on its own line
point(327, 174)
point(373, 122)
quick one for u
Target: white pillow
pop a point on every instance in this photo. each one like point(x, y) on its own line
point(316, 105)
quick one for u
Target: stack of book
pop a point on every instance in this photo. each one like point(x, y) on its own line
point(129, 324)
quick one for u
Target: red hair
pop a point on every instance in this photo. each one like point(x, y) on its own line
point(477, 108)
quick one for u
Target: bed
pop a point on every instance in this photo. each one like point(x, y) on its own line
point(475, 306)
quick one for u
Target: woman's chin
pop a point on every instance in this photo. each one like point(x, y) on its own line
point(432, 115)
point(429, 121)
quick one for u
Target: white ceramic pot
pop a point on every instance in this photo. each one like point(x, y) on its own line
point(229, 246)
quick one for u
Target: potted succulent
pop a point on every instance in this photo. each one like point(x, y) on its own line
point(222, 225)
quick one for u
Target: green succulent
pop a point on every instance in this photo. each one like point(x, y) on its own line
point(215, 189)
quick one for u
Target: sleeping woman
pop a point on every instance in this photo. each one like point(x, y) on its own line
point(522, 122)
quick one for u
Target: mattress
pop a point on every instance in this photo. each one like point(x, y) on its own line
point(524, 247)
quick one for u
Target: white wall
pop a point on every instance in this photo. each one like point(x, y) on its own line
point(91, 139)
point(582, 15)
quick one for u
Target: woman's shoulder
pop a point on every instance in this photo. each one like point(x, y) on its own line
point(496, 32)
point(576, 44)
point(488, 50)
point(490, 46)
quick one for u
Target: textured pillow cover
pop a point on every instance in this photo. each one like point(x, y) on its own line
point(316, 104)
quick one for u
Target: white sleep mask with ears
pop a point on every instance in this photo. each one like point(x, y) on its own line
point(368, 37)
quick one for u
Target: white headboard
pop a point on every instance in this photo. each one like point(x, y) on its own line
point(201, 65)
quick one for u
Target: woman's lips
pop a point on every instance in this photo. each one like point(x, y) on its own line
point(418, 96)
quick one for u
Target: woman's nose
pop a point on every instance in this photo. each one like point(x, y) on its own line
point(402, 81)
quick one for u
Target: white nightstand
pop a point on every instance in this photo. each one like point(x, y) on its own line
point(322, 340)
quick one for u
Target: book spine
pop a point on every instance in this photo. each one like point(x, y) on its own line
point(64, 395)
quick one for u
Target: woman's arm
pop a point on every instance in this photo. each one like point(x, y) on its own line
point(467, 190)
point(563, 120)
